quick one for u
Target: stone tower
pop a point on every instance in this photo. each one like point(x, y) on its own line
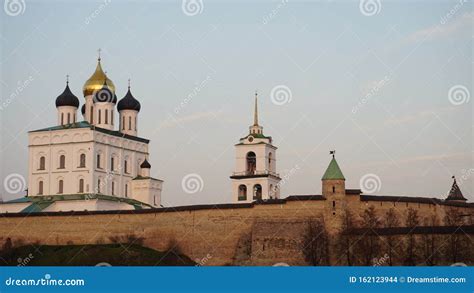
point(334, 184)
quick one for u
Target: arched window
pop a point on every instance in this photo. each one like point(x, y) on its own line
point(74, 118)
point(270, 157)
point(42, 163)
point(113, 188)
point(272, 192)
point(92, 114)
point(112, 165)
point(98, 185)
point(60, 186)
point(98, 161)
point(129, 122)
point(40, 187)
point(82, 161)
point(62, 118)
point(68, 118)
point(242, 192)
point(135, 123)
point(100, 116)
point(257, 192)
point(251, 162)
point(106, 116)
point(62, 162)
point(81, 185)
point(126, 190)
point(111, 117)
point(125, 166)
point(123, 122)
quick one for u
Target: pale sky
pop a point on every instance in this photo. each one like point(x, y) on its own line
point(390, 89)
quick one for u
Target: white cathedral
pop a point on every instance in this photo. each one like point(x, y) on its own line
point(99, 163)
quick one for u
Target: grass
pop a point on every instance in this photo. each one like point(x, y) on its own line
point(91, 255)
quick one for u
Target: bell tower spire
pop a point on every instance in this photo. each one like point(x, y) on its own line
point(255, 128)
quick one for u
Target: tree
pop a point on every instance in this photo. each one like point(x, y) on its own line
point(455, 247)
point(369, 243)
point(346, 240)
point(316, 243)
point(430, 242)
point(391, 221)
point(412, 221)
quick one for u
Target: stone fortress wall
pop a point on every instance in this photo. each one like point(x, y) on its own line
point(228, 234)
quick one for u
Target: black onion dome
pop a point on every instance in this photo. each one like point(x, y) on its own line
point(83, 109)
point(105, 95)
point(129, 103)
point(67, 98)
point(145, 165)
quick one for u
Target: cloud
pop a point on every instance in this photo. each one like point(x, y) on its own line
point(446, 28)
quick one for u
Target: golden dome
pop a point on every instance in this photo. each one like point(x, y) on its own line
point(96, 81)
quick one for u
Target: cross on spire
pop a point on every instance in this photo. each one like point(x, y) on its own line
point(67, 79)
point(98, 52)
point(129, 83)
point(333, 153)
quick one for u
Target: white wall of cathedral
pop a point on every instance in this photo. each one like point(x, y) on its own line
point(246, 190)
point(105, 163)
point(89, 110)
point(104, 114)
point(128, 122)
point(87, 205)
point(147, 190)
point(66, 115)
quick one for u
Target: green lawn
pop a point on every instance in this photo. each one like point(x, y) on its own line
point(91, 255)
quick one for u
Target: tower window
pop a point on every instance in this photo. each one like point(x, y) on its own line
point(106, 116)
point(251, 162)
point(129, 122)
point(42, 163)
point(62, 118)
point(82, 161)
point(242, 192)
point(92, 115)
point(111, 117)
point(333, 204)
point(40, 187)
point(68, 118)
point(257, 192)
point(126, 190)
point(62, 162)
point(113, 188)
point(333, 189)
point(270, 161)
point(60, 186)
point(123, 123)
point(81, 185)
point(98, 185)
point(100, 116)
point(98, 161)
point(125, 166)
point(135, 123)
point(112, 167)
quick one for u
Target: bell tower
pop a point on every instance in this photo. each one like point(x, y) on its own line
point(255, 176)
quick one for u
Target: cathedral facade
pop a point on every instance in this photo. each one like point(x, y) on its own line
point(95, 163)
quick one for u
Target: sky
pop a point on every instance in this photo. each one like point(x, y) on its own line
point(386, 84)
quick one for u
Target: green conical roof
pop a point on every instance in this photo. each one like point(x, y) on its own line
point(333, 171)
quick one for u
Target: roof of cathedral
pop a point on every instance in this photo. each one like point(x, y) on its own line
point(455, 192)
point(96, 81)
point(67, 98)
point(128, 102)
point(39, 203)
point(333, 171)
point(85, 124)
